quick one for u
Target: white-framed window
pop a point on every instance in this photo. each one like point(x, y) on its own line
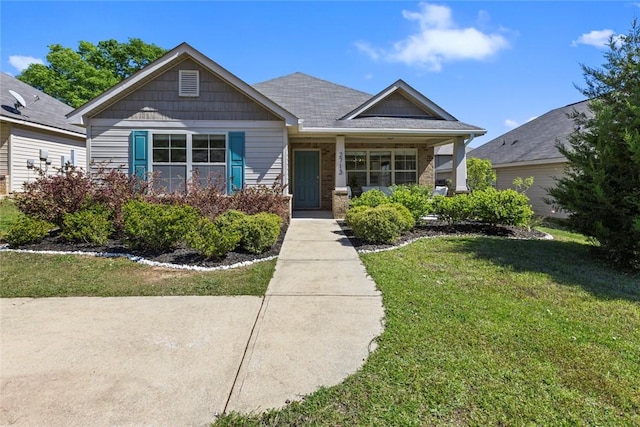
point(189, 83)
point(177, 157)
point(379, 167)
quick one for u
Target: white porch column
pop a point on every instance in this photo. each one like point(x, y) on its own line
point(340, 201)
point(341, 172)
point(459, 172)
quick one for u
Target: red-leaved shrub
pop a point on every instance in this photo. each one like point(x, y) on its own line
point(50, 197)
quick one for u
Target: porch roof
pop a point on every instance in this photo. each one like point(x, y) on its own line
point(325, 106)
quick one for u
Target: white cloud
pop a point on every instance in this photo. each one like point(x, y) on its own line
point(20, 62)
point(596, 38)
point(368, 76)
point(511, 124)
point(438, 40)
point(368, 50)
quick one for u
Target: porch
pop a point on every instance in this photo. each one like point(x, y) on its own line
point(321, 168)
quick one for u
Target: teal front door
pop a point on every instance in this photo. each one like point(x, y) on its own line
point(306, 179)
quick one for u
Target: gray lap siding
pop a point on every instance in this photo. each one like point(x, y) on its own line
point(263, 148)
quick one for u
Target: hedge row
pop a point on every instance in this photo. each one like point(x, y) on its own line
point(72, 190)
point(491, 206)
point(378, 218)
point(158, 227)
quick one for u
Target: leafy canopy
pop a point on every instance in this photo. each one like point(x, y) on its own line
point(601, 187)
point(77, 76)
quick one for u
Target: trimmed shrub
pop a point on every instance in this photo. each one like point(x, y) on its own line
point(353, 212)
point(157, 227)
point(212, 240)
point(260, 232)
point(371, 198)
point(232, 220)
point(381, 224)
point(27, 230)
point(506, 207)
point(416, 198)
point(454, 209)
point(92, 225)
point(407, 222)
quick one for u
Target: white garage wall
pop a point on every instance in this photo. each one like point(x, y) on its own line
point(26, 144)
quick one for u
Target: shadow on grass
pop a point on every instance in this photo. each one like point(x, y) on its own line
point(568, 263)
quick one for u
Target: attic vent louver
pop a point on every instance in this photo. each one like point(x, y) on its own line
point(189, 83)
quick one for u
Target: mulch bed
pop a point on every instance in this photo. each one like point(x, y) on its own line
point(441, 229)
point(185, 256)
point(179, 256)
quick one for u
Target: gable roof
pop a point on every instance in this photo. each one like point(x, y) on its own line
point(162, 64)
point(534, 141)
point(400, 87)
point(330, 107)
point(46, 112)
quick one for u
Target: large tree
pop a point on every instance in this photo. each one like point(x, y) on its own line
point(601, 189)
point(77, 76)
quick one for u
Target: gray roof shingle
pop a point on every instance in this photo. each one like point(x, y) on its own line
point(321, 104)
point(318, 102)
point(47, 111)
point(534, 140)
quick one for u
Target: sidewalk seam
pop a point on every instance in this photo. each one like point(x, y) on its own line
point(244, 355)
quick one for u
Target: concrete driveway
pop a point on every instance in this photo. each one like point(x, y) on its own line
point(167, 361)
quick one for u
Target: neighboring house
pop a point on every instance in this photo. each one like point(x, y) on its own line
point(25, 130)
point(184, 112)
point(530, 150)
point(443, 159)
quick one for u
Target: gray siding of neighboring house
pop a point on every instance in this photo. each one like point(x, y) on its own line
point(159, 100)
point(395, 105)
point(26, 144)
point(264, 147)
point(542, 179)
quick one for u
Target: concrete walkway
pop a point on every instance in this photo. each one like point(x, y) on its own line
point(317, 323)
point(180, 360)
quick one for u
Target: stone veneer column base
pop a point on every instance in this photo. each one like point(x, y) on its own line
point(340, 203)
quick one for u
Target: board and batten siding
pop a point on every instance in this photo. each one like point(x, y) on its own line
point(396, 105)
point(264, 148)
point(542, 179)
point(26, 144)
point(159, 100)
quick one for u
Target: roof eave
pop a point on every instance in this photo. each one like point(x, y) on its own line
point(43, 127)
point(402, 131)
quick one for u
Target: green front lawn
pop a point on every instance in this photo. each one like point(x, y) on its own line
point(39, 275)
point(484, 331)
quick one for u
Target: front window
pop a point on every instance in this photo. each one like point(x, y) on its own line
point(180, 157)
point(380, 168)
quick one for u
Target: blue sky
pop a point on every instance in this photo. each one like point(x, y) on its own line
point(491, 64)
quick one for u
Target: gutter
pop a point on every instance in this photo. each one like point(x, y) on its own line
point(417, 132)
point(44, 127)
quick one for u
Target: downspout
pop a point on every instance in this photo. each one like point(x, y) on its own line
point(472, 135)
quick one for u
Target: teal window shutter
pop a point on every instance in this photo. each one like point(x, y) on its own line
point(235, 162)
point(139, 153)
